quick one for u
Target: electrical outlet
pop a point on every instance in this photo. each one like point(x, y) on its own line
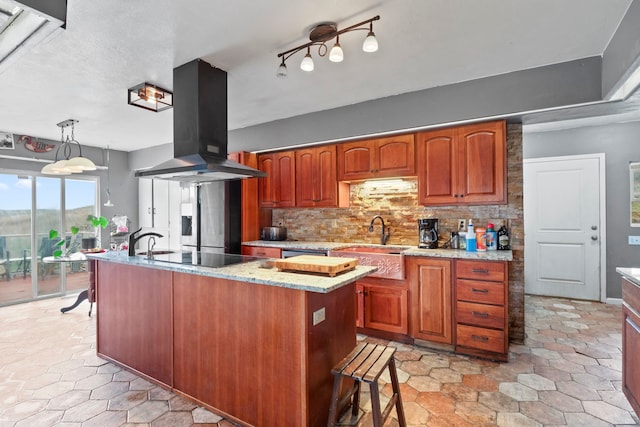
point(462, 225)
point(634, 240)
point(318, 316)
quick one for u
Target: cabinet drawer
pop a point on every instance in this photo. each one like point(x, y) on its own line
point(481, 338)
point(488, 316)
point(482, 292)
point(262, 251)
point(481, 270)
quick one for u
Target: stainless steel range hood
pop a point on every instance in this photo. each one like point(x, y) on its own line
point(199, 129)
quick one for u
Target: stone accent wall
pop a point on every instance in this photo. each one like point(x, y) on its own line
point(398, 206)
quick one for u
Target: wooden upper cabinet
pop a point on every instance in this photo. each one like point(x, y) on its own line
point(316, 181)
point(277, 190)
point(388, 157)
point(464, 165)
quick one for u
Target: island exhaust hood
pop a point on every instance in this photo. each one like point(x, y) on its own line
point(199, 129)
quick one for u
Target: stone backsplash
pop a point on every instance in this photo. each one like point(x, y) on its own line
point(398, 205)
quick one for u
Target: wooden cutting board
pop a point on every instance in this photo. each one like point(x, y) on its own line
point(316, 264)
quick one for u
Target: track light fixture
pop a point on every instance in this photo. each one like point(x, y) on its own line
point(320, 35)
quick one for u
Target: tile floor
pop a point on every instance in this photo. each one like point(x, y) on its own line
point(566, 373)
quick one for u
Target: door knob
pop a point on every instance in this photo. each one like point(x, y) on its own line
point(594, 237)
point(594, 227)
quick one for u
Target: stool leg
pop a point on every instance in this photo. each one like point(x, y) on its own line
point(375, 404)
point(355, 405)
point(335, 398)
point(396, 390)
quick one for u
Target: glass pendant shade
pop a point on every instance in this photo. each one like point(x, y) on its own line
point(51, 170)
point(370, 43)
point(307, 63)
point(82, 164)
point(336, 54)
point(282, 71)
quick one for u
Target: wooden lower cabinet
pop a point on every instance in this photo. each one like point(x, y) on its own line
point(481, 295)
point(430, 287)
point(131, 328)
point(382, 307)
point(262, 251)
point(252, 351)
point(631, 343)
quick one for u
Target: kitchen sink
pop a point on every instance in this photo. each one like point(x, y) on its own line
point(388, 259)
point(391, 250)
point(158, 252)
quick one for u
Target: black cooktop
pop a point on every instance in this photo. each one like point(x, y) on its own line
point(204, 259)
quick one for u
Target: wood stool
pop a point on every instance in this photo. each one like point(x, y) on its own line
point(366, 363)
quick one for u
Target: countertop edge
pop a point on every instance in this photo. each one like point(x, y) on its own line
point(407, 250)
point(251, 272)
point(630, 273)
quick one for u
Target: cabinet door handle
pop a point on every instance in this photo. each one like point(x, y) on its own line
point(479, 270)
point(149, 211)
point(479, 338)
point(480, 314)
point(479, 291)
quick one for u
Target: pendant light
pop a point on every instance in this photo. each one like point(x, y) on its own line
point(108, 202)
point(336, 54)
point(69, 164)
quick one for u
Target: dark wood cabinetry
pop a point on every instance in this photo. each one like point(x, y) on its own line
point(631, 343)
point(316, 180)
point(430, 286)
point(392, 156)
point(262, 251)
point(277, 190)
point(463, 165)
point(481, 308)
point(382, 305)
point(135, 297)
point(250, 213)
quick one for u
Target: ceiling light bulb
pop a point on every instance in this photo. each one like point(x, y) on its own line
point(370, 43)
point(336, 54)
point(307, 62)
point(282, 70)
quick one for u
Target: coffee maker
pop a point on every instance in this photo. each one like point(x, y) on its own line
point(428, 233)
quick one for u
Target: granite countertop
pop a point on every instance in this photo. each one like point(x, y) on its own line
point(405, 250)
point(632, 274)
point(259, 272)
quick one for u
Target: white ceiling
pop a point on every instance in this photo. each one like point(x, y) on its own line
point(84, 71)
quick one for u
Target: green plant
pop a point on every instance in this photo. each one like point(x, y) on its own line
point(98, 221)
point(64, 247)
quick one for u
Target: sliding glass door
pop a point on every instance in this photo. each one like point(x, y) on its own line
point(15, 238)
point(31, 206)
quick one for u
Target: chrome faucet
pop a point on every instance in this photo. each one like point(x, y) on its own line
point(151, 243)
point(383, 237)
point(133, 239)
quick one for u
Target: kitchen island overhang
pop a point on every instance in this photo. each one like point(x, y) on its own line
point(253, 344)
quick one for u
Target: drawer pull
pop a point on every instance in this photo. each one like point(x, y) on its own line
point(480, 270)
point(480, 291)
point(480, 338)
point(479, 314)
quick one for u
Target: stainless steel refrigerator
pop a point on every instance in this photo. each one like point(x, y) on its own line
point(210, 217)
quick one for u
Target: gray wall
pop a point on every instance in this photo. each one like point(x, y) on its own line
point(123, 186)
point(555, 85)
point(620, 144)
point(622, 54)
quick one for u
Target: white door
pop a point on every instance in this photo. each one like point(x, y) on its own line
point(562, 226)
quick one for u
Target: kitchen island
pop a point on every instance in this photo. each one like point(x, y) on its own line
point(631, 335)
point(252, 343)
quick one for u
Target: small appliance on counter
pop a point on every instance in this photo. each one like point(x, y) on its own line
point(428, 233)
point(274, 233)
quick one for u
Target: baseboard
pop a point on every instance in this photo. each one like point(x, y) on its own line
point(614, 301)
